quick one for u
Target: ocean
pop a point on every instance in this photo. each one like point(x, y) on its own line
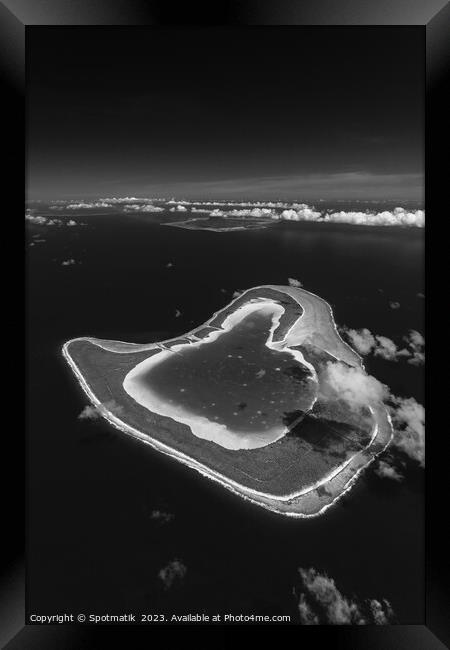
point(95, 544)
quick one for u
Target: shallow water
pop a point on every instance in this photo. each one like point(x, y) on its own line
point(236, 380)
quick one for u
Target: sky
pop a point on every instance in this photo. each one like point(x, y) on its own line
point(258, 113)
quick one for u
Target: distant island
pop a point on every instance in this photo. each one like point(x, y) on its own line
point(243, 399)
point(223, 223)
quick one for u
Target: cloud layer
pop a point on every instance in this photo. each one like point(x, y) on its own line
point(277, 210)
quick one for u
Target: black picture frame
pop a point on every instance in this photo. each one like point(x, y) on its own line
point(16, 16)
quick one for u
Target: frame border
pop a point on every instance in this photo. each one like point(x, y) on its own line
point(15, 17)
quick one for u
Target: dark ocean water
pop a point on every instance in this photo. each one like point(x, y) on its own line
point(93, 546)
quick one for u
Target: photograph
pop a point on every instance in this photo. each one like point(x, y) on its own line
point(226, 293)
point(225, 325)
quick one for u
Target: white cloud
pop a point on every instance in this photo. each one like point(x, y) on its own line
point(173, 572)
point(43, 221)
point(137, 207)
point(397, 217)
point(301, 212)
point(47, 221)
point(70, 262)
point(386, 470)
point(294, 283)
point(82, 205)
point(307, 616)
point(408, 418)
point(382, 612)
point(254, 212)
point(291, 211)
point(416, 343)
point(323, 602)
point(387, 349)
point(163, 517)
point(112, 200)
point(358, 389)
point(361, 340)
point(364, 342)
point(353, 385)
point(94, 412)
point(394, 304)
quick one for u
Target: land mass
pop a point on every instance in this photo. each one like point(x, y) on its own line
point(240, 399)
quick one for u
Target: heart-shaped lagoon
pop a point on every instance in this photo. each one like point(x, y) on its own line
point(234, 387)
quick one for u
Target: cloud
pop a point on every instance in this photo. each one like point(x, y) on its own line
point(112, 200)
point(37, 240)
point(294, 283)
point(177, 313)
point(321, 602)
point(339, 381)
point(237, 293)
point(301, 212)
point(163, 517)
point(307, 616)
point(353, 385)
point(416, 343)
point(43, 221)
point(136, 207)
point(87, 206)
point(279, 210)
point(92, 412)
point(397, 217)
point(47, 221)
point(387, 349)
point(394, 305)
point(364, 342)
point(173, 572)
point(386, 470)
point(70, 262)
point(382, 612)
point(253, 212)
point(408, 418)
